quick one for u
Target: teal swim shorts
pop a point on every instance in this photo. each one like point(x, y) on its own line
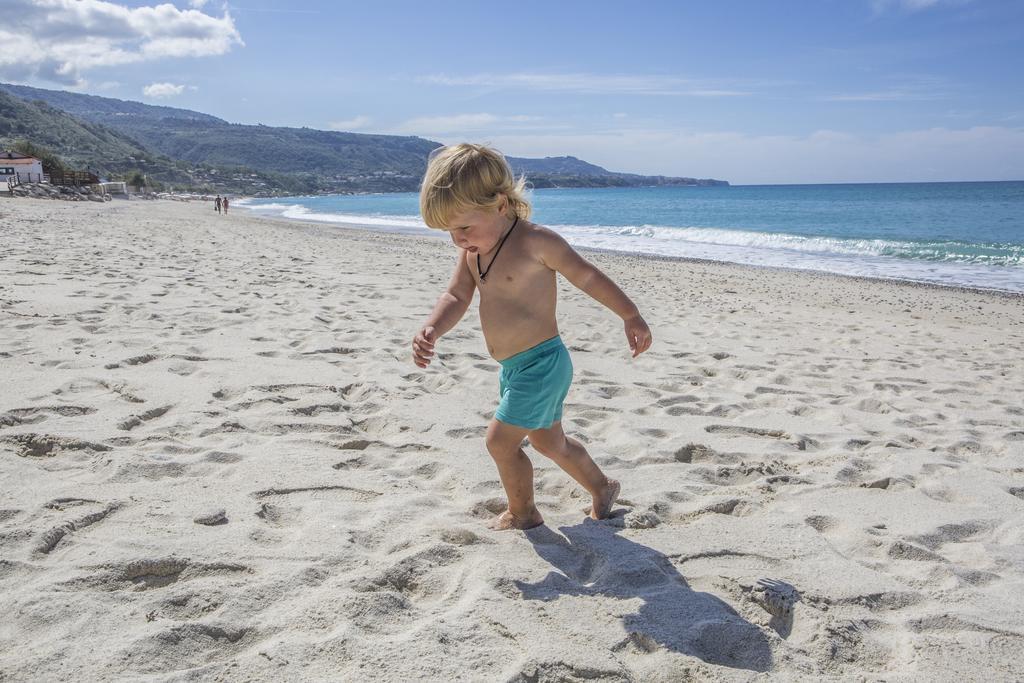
point(534, 384)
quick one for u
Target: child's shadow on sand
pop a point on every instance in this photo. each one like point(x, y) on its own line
point(591, 559)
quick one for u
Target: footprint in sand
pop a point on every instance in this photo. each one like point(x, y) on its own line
point(695, 452)
point(223, 457)
point(98, 387)
point(868, 642)
point(21, 416)
point(856, 471)
point(278, 515)
point(333, 350)
point(135, 360)
point(736, 430)
point(187, 646)
point(224, 427)
point(52, 537)
point(822, 523)
point(337, 490)
point(432, 383)
point(149, 573)
point(186, 605)
point(136, 420)
point(420, 576)
point(674, 400)
point(458, 536)
point(970, 530)
point(317, 409)
point(467, 432)
point(489, 508)
point(48, 445)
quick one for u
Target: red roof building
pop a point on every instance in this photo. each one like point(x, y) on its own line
point(24, 168)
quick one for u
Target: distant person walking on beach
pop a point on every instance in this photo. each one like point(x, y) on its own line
point(470, 192)
point(224, 203)
point(216, 204)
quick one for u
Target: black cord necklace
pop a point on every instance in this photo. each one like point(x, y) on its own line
point(483, 273)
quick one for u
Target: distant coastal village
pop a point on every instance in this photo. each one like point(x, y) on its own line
point(67, 145)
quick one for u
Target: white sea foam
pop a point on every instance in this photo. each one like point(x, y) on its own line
point(991, 254)
point(848, 257)
point(952, 263)
point(300, 212)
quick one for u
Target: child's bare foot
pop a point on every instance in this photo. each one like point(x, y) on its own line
point(603, 503)
point(506, 520)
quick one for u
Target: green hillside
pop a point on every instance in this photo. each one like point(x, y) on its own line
point(557, 166)
point(82, 144)
point(94, 108)
point(283, 150)
point(202, 139)
point(195, 150)
point(79, 143)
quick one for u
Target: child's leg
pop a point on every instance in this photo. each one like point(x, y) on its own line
point(516, 473)
point(571, 456)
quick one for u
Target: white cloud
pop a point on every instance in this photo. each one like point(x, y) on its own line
point(902, 88)
point(354, 123)
point(198, 4)
point(59, 40)
point(461, 124)
point(911, 5)
point(934, 154)
point(162, 90)
point(880, 6)
point(882, 96)
point(626, 84)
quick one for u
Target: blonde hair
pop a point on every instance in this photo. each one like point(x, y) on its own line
point(465, 177)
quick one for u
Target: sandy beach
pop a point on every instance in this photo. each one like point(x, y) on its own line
point(218, 462)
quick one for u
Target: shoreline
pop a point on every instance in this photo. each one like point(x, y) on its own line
point(1011, 294)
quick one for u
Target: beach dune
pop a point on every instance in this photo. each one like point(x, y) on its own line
point(219, 462)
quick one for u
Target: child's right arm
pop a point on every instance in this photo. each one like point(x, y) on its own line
point(448, 310)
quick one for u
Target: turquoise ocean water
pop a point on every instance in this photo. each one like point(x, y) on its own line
point(957, 234)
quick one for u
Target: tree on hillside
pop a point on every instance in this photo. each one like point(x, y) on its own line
point(51, 162)
point(136, 179)
point(141, 181)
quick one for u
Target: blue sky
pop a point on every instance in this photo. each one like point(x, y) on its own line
point(752, 92)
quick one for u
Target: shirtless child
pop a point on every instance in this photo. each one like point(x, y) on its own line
point(470, 191)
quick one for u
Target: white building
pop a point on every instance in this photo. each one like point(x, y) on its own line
point(25, 168)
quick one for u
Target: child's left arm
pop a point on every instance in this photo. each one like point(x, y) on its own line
point(557, 255)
